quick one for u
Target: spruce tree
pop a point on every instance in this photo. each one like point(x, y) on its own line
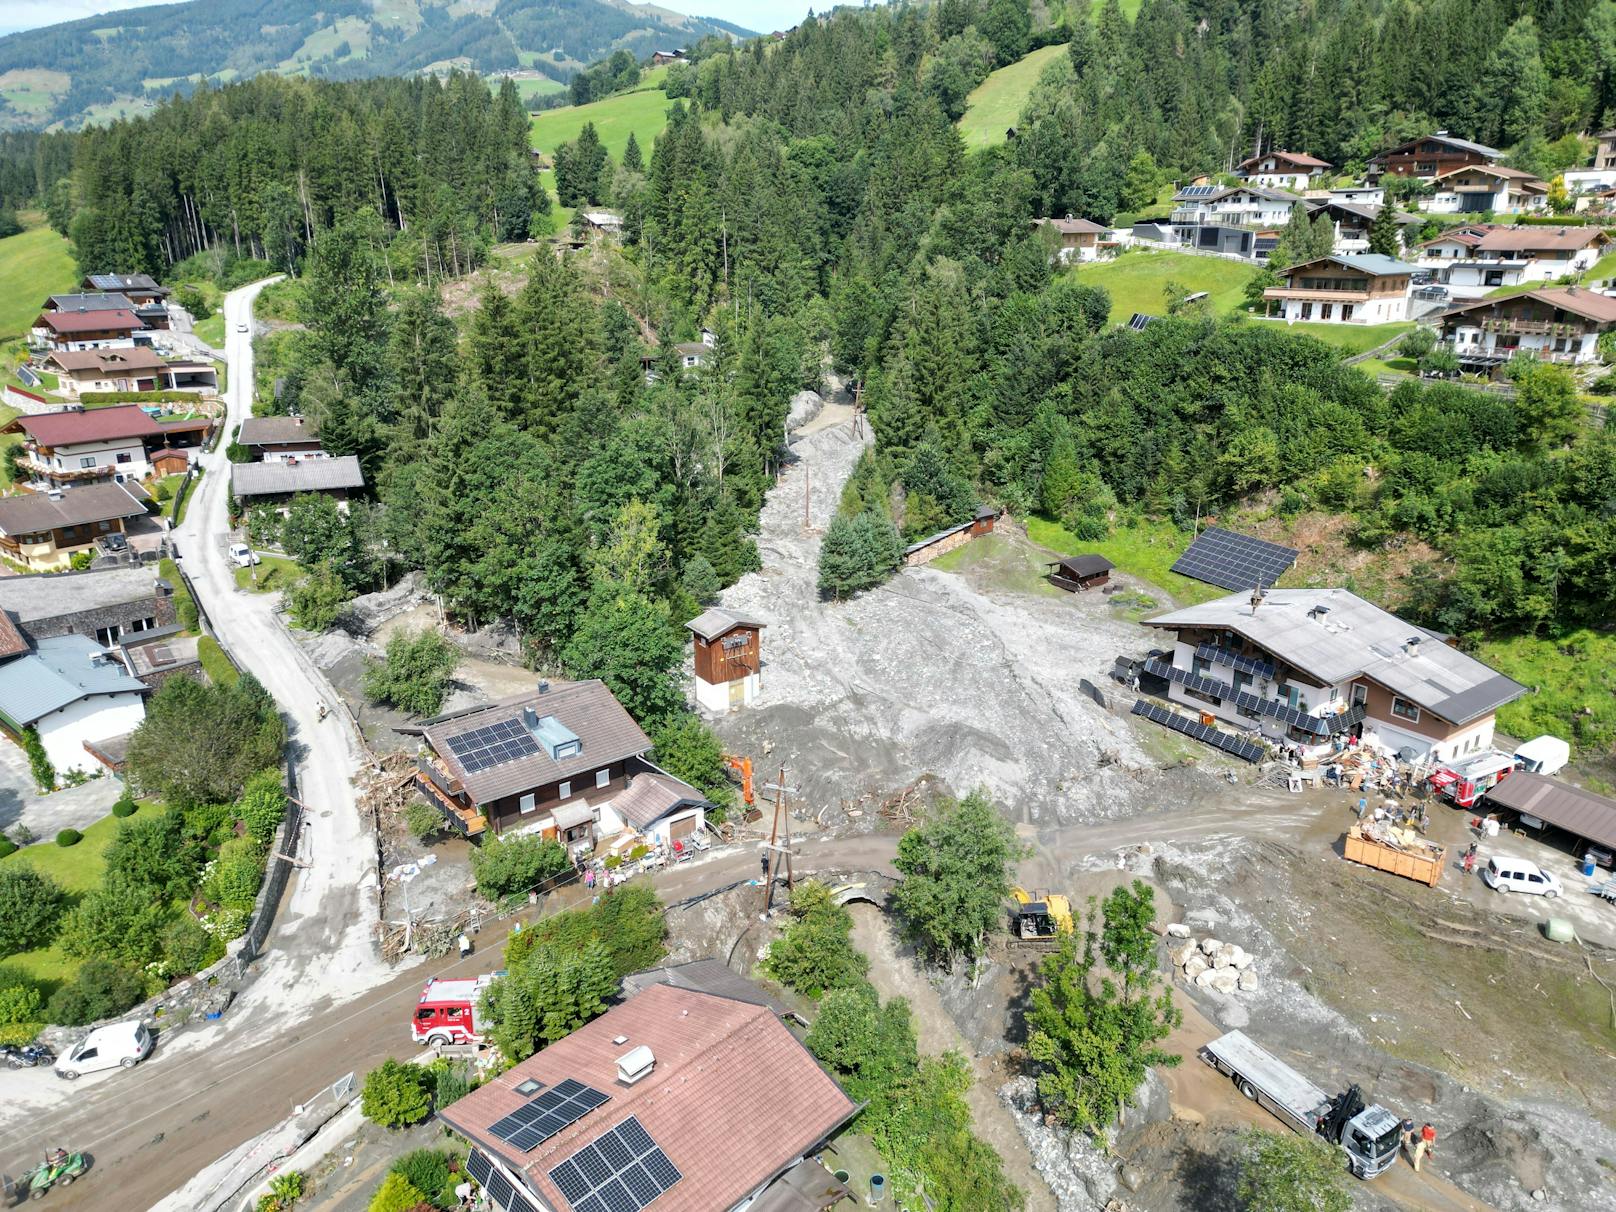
point(1385, 235)
point(632, 158)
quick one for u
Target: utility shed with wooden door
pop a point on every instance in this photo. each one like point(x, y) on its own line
point(728, 659)
point(1076, 573)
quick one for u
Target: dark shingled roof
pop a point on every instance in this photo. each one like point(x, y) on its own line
point(1576, 811)
point(31, 513)
point(716, 621)
point(609, 734)
point(651, 796)
point(277, 431)
point(1085, 565)
point(87, 425)
point(306, 475)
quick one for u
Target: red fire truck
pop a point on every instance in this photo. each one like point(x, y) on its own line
point(1466, 782)
point(448, 1013)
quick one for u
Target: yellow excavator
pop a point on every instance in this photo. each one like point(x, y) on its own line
point(1040, 915)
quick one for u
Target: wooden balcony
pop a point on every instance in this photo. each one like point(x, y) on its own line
point(1316, 296)
point(42, 470)
point(1535, 328)
point(436, 782)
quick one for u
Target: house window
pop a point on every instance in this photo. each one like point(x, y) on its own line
point(527, 802)
point(104, 526)
point(1360, 694)
point(87, 461)
point(602, 777)
point(107, 636)
point(1290, 694)
point(125, 457)
point(564, 791)
point(1327, 311)
point(1405, 710)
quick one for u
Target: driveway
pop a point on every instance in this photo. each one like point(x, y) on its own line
point(70, 808)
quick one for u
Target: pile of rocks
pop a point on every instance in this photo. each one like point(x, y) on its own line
point(1210, 963)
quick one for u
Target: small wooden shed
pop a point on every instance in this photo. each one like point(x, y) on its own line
point(1076, 573)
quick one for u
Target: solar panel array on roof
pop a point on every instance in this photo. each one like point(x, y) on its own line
point(1236, 745)
point(493, 745)
point(623, 1171)
point(532, 1125)
point(1198, 191)
point(1274, 708)
point(499, 1189)
point(1234, 561)
point(1140, 321)
point(1244, 664)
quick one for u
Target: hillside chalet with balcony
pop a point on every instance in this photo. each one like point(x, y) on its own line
point(550, 761)
point(1556, 324)
point(1431, 155)
point(83, 327)
point(1318, 667)
point(1362, 289)
point(80, 446)
point(43, 531)
point(275, 439)
point(1079, 238)
point(1283, 170)
point(1471, 261)
point(1486, 188)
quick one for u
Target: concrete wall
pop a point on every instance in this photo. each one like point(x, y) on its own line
point(714, 696)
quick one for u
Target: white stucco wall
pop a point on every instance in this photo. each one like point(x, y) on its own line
point(64, 732)
point(714, 696)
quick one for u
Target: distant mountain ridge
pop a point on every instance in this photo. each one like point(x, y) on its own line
point(124, 62)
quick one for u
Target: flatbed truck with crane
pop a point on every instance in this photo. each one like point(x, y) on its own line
point(1368, 1135)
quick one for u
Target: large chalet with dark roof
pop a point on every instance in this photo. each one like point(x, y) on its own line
point(552, 761)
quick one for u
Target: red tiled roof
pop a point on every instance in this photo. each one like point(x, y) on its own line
point(11, 641)
point(1299, 159)
point(87, 425)
point(90, 321)
point(734, 1098)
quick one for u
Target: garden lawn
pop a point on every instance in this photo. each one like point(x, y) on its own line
point(1143, 549)
point(274, 574)
point(33, 265)
point(76, 868)
point(1136, 281)
point(211, 330)
point(1349, 338)
point(1571, 674)
point(215, 663)
point(995, 105)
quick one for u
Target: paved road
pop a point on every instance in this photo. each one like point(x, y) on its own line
point(318, 956)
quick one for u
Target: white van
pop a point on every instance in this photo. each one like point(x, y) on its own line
point(1506, 874)
point(125, 1044)
point(1543, 755)
point(243, 556)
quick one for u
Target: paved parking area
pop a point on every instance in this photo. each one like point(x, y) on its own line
point(70, 808)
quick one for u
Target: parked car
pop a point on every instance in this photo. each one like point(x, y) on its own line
point(1506, 874)
point(243, 556)
point(117, 1044)
point(241, 328)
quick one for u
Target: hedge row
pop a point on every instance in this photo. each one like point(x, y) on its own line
point(139, 397)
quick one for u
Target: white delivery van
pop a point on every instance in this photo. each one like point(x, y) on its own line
point(1506, 874)
point(1542, 755)
point(125, 1044)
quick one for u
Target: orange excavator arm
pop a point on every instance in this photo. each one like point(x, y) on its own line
point(744, 765)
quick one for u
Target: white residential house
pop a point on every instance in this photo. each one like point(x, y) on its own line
point(1080, 239)
point(1283, 170)
point(1320, 666)
point(1482, 188)
point(74, 694)
point(1360, 195)
point(1473, 261)
point(1236, 206)
point(1597, 178)
point(1556, 324)
point(1363, 289)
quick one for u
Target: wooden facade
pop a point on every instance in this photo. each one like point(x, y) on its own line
point(1428, 157)
point(731, 656)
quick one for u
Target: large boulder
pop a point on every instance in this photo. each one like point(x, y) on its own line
point(1209, 946)
point(1195, 967)
point(805, 406)
point(1248, 981)
point(1223, 980)
point(1242, 959)
point(1223, 957)
point(1178, 930)
point(1181, 954)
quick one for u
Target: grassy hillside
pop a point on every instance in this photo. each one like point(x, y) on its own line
point(93, 70)
point(33, 264)
point(996, 104)
point(1138, 280)
point(643, 111)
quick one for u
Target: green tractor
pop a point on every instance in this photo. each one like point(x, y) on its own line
point(57, 1170)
